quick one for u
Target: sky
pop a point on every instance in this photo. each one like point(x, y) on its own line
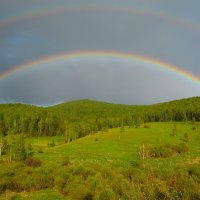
point(160, 30)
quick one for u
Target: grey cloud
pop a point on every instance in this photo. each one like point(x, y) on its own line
point(115, 81)
point(164, 40)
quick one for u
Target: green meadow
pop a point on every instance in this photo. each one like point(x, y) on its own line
point(86, 150)
point(120, 148)
point(111, 149)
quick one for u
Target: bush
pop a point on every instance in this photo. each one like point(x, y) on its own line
point(40, 150)
point(194, 128)
point(51, 144)
point(194, 171)
point(168, 150)
point(185, 137)
point(66, 161)
point(15, 197)
point(107, 194)
point(134, 163)
point(59, 183)
point(33, 162)
point(161, 152)
point(181, 148)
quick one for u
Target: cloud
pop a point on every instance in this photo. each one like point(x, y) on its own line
point(165, 40)
point(110, 80)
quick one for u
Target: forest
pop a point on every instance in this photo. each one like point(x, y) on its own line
point(82, 117)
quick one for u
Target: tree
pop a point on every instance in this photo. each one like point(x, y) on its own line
point(2, 132)
point(122, 127)
point(142, 153)
point(174, 131)
point(18, 149)
point(186, 137)
point(29, 150)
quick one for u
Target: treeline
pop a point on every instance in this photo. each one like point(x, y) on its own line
point(31, 120)
point(79, 118)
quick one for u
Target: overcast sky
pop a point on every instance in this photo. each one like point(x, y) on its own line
point(165, 30)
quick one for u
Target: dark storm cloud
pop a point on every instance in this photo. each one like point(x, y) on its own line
point(161, 39)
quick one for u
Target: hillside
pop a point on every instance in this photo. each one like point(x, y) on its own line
point(128, 152)
point(83, 117)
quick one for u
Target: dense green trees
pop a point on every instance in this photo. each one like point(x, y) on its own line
point(79, 118)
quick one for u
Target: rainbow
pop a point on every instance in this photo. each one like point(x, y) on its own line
point(102, 9)
point(101, 54)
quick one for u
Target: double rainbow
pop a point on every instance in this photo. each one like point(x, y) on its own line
point(101, 54)
point(93, 8)
point(81, 8)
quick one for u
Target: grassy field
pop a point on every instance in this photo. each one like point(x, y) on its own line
point(120, 148)
point(38, 195)
point(112, 149)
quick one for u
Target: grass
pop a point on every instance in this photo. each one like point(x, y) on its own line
point(115, 148)
point(121, 148)
point(38, 195)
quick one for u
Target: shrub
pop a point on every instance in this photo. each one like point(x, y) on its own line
point(79, 191)
point(167, 150)
point(186, 137)
point(40, 150)
point(194, 171)
point(88, 196)
point(107, 194)
point(51, 144)
point(160, 152)
point(194, 128)
point(44, 179)
point(134, 163)
point(33, 162)
point(15, 197)
point(181, 148)
point(60, 183)
point(66, 161)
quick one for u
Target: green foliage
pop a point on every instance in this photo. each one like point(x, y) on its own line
point(4, 147)
point(168, 150)
point(186, 137)
point(66, 161)
point(51, 144)
point(18, 149)
point(194, 172)
point(174, 131)
point(40, 150)
point(122, 129)
point(80, 118)
point(33, 162)
point(107, 194)
point(161, 152)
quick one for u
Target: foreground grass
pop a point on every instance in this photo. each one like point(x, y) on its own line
point(38, 195)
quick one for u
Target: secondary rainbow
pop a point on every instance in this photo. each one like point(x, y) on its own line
point(92, 8)
point(101, 54)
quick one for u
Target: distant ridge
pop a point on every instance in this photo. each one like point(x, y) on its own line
point(91, 101)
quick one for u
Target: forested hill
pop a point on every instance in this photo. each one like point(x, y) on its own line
point(82, 117)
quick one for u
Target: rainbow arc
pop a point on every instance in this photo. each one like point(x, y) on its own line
point(101, 54)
